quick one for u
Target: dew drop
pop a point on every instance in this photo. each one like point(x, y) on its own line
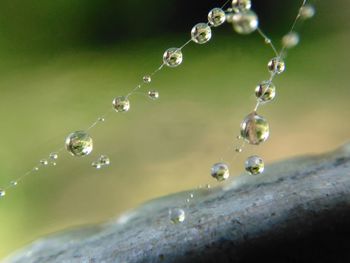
point(255, 129)
point(53, 156)
point(101, 119)
point(35, 169)
point(173, 57)
point(220, 171)
point(104, 160)
point(267, 41)
point(44, 162)
point(208, 186)
point(254, 165)
point(79, 143)
point(53, 163)
point(147, 79)
point(153, 94)
point(307, 11)
point(14, 183)
point(245, 22)
point(177, 215)
point(96, 165)
point(216, 17)
point(121, 104)
point(239, 150)
point(2, 193)
point(276, 66)
point(191, 196)
point(241, 5)
point(201, 33)
point(265, 91)
point(290, 40)
point(187, 200)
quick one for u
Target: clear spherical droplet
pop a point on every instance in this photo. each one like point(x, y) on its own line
point(2, 193)
point(153, 94)
point(216, 17)
point(53, 156)
point(44, 162)
point(307, 11)
point(201, 33)
point(245, 22)
point(96, 165)
point(254, 165)
point(239, 150)
point(220, 171)
point(101, 119)
point(79, 143)
point(147, 79)
point(241, 5)
point(276, 65)
point(290, 40)
point(177, 215)
point(104, 160)
point(255, 129)
point(191, 196)
point(121, 104)
point(173, 57)
point(14, 183)
point(265, 91)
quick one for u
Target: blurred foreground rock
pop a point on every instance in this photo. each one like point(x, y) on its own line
point(298, 211)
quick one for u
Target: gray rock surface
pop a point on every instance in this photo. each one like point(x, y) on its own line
point(298, 211)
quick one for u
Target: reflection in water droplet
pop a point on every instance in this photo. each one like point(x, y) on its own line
point(254, 165)
point(176, 215)
point(220, 171)
point(79, 143)
point(201, 33)
point(255, 129)
point(147, 79)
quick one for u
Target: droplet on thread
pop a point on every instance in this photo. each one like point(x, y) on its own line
point(255, 129)
point(241, 5)
point(265, 91)
point(14, 183)
point(177, 215)
point(276, 66)
point(2, 193)
point(79, 143)
point(291, 40)
point(201, 33)
point(173, 57)
point(44, 162)
point(220, 171)
point(245, 22)
point(121, 104)
point(104, 160)
point(153, 94)
point(216, 17)
point(307, 11)
point(147, 79)
point(53, 156)
point(96, 165)
point(254, 165)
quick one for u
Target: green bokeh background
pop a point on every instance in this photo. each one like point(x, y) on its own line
point(62, 62)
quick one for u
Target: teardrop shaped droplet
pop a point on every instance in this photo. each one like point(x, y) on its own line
point(254, 165)
point(255, 129)
point(79, 143)
point(220, 171)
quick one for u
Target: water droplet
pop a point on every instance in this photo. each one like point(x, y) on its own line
point(220, 171)
point(216, 17)
point(53, 156)
point(101, 119)
point(173, 57)
point(2, 193)
point(267, 41)
point(290, 40)
point(35, 169)
point(307, 11)
point(96, 165)
point(239, 150)
point(44, 162)
point(79, 143)
point(208, 186)
point(147, 79)
point(153, 94)
point(177, 215)
point(121, 104)
point(239, 137)
point(191, 196)
point(255, 129)
point(201, 33)
point(187, 200)
point(241, 5)
point(276, 65)
point(104, 160)
point(53, 163)
point(254, 165)
point(14, 183)
point(245, 22)
point(265, 91)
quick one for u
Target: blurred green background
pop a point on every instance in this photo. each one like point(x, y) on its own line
point(62, 62)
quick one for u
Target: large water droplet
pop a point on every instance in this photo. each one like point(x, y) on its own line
point(265, 91)
point(177, 215)
point(172, 57)
point(276, 66)
point(245, 22)
point(220, 171)
point(216, 17)
point(255, 129)
point(254, 165)
point(79, 143)
point(121, 104)
point(201, 33)
point(241, 5)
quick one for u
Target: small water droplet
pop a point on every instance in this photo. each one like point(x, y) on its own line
point(187, 200)
point(265, 91)
point(53, 163)
point(147, 79)
point(36, 169)
point(14, 183)
point(173, 57)
point(239, 150)
point(191, 196)
point(255, 129)
point(104, 160)
point(276, 65)
point(2, 193)
point(254, 165)
point(96, 165)
point(121, 104)
point(53, 156)
point(241, 5)
point(101, 119)
point(220, 171)
point(245, 22)
point(208, 186)
point(201, 33)
point(177, 215)
point(153, 94)
point(79, 143)
point(216, 17)
point(267, 41)
point(291, 40)
point(44, 162)
point(307, 11)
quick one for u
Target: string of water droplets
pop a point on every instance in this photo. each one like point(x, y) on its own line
point(254, 128)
